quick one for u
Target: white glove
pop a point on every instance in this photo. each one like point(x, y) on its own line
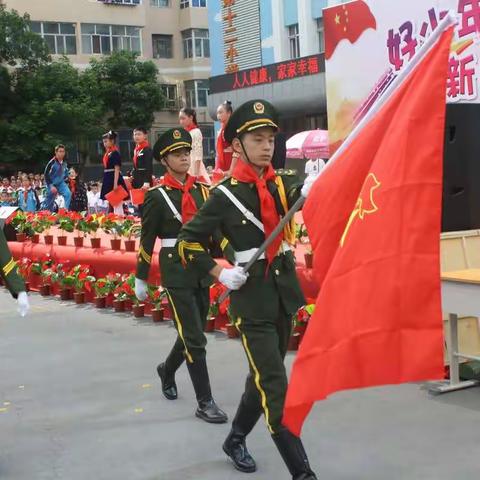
point(308, 184)
point(140, 289)
point(233, 278)
point(23, 305)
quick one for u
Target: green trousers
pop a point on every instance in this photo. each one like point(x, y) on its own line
point(265, 343)
point(190, 309)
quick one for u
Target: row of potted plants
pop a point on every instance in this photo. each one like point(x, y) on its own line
point(32, 225)
point(78, 283)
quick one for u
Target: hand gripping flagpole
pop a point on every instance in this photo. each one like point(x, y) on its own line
point(449, 20)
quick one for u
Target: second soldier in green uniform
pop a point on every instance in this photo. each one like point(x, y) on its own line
point(247, 208)
point(166, 208)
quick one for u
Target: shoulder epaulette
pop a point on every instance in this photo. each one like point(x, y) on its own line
point(285, 172)
point(156, 187)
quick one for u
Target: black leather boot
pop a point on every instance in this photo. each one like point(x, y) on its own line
point(169, 387)
point(293, 454)
point(207, 408)
point(235, 446)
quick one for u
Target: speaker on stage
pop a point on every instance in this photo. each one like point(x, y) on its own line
point(461, 178)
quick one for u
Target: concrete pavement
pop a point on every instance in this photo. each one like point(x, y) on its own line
point(80, 400)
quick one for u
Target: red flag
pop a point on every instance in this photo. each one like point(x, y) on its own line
point(348, 22)
point(374, 219)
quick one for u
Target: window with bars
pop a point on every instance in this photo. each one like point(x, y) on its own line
point(160, 3)
point(196, 93)
point(321, 35)
point(169, 92)
point(162, 46)
point(193, 3)
point(196, 43)
point(294, 41)
point(60, 37)
point(105, 39)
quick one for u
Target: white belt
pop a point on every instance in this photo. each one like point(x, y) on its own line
point(109, 170)
point(245, 255)
point(169, 242)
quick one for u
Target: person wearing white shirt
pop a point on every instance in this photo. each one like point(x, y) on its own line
point(314, 166)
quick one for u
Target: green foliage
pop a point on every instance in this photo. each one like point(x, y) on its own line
point(128, 89)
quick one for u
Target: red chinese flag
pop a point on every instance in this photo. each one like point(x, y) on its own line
point(346, 22)
point(374, 220)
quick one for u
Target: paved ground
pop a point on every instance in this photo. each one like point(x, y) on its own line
point(79, 400)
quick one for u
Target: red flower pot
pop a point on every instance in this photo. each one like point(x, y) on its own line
point(130, 245)
point(115, 243)
point(100, 302)
point(294, 342)
point(21, 237)
point(210, 325)
point(79, 297)
point(138, 310)
point(308, 260)
point(48, 239)
point(96, 242)
point(232, 331)
point(62, 240)
point(221, 321)
point(45, 290)
point(119, 305)
point(157, 315)
point(78, 241)
point(36, 238)
point(66, 294)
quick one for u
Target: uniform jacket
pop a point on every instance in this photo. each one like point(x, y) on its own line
point(143, 172)
point(8, 269)
point(55, 172)
point(29, 204)
point(265, 290)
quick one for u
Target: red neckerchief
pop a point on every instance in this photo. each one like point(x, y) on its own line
point(73, 185)
point(244, 172)
point(107, 153)
point(25, 195)
point(189, 207)
point(224, 159)
point(137, 150)
point(193, 126)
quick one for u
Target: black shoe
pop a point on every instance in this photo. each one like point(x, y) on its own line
point(293, 454)
point(210, 413)
point(169, 387)
point(236, 448)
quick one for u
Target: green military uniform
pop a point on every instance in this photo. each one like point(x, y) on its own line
point(8, 269)
point(264, 306)
point(187, 289)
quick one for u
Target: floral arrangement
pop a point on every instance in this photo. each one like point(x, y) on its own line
point(93, 223)
point(111, 224)
point(301, 233)
point(125, 289)
point(302, 317)
point(83, 280)
point(25, 267)
point(66, 220)
point(20, 222)
point(157, 296)
point(129, 228)
point(43, 221)
point(62, 275)
point(216, 308)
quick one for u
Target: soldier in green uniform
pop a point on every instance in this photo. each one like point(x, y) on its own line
point(10, 276)
point(166, 208)
point(246, 208)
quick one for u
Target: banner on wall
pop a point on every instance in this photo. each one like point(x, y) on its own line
point(368, 42)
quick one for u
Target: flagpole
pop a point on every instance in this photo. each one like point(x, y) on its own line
point(446, 22)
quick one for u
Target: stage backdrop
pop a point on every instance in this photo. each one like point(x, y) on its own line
point(367, 43)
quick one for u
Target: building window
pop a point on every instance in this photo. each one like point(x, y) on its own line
point(196, 43)
point(160, 3)
point(321, 35)
point(197, 93)
point(170, 96)
point(294, 41)
point(162, 46)
point(60, 37)
point(208, 134)
point(122, 2)
point(105, 39)
point(193, 3)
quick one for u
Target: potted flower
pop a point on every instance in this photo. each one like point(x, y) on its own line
point(83, 281)
point(119, 298)
point(301, 233)
point(93, 224)
point(24, 269)
point(66, 223)
point(64, 279)
point(129, 290)
point(157, 296)
point(44, 221)
point(82, 228)
point(102, 287)
point(301, 319)
point(217, 311)
point(112, 226)
point(232, 330)
point(130, 229)
point(46, 275)
point(22, 226)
